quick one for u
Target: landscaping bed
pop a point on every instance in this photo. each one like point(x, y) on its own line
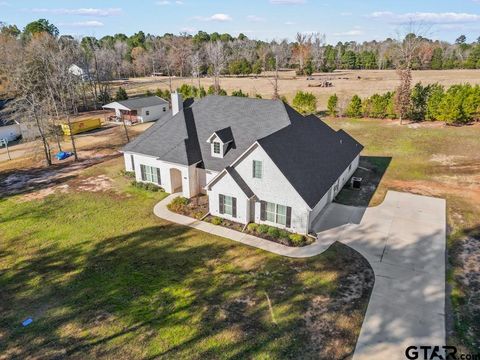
point(198, 208)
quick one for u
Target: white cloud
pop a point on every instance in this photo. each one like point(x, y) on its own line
point(346, 14)
point(287, 2)
point(168, 2)
point(188, 30)
point(90, 23)
point(255, 18)
point(215, 17)
point(355, 32)
point(426, 17)
point(80, 11)
point(4, 3)
point(289, 23)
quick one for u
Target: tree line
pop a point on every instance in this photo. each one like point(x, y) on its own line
point(458, 104)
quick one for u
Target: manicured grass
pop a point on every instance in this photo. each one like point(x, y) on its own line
point(102, 277)
point(437, 161)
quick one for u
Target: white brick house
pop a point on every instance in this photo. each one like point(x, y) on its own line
point(258, 160)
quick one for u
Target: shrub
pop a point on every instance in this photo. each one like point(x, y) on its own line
point(252, 227)
point(305, 102)
point(333, 105)
point(121, 94)
point(262, 229)
point(297, 239)
point(283, 234)
point(147, 186)
point(163, 94)
point(217, 220)
point(178, 204)
point(198, 215)
point(239, 93)
point(128, 174)
point(211, 91)
point(274, 232)
point(354, 108)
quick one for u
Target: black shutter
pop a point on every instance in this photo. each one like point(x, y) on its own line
point(289, 216)
point(159, 182)
point(234, 207)
point(253, 169)
point(221, 203)
point(133, 163)
point(263, 214)
point(142, 170)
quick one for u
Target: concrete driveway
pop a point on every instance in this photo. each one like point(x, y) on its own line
point(404, 240)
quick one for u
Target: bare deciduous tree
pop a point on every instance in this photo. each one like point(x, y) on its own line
point(216, 58)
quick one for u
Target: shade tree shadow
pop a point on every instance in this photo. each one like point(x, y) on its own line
point(186, 294)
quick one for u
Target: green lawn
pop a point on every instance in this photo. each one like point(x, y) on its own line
point(102, 277)
point(442, 162)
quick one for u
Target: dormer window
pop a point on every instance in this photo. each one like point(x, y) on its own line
point(216, 147)
point(220, 142)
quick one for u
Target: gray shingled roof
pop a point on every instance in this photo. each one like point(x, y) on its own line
point(311, 155)
point(305, 149)
point(248, 120)
point(141, 102)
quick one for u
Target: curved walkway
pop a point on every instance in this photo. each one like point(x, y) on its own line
point(317, 247)
point(404, 241)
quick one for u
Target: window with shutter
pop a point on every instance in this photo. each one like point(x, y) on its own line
point(150, 174)
point(275, 213)
point(221, 203)
point(228, 205)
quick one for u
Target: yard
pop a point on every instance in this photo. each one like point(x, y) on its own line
point(435, 160)
point(102, 277)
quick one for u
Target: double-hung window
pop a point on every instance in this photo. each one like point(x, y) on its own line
point(257, 169)
point(275, 213)
point(228, 205)
point(150, 174)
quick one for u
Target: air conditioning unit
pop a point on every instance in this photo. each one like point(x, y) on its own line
point(356, 182)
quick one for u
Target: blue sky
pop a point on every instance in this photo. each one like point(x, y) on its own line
point(340, 20)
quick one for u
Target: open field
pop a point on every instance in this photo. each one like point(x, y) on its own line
point(102, 277)
point(346, 83)
point(436, 160)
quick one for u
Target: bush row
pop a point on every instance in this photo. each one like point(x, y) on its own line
point(276, 233)
point(147, 186)
point(459, 104)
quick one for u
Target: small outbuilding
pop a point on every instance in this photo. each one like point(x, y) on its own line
point(138, 110)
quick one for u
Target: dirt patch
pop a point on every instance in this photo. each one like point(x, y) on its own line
point(44, 181)
point(95, 184)
point(328, 318)
point(469, 257)
point(446, 160)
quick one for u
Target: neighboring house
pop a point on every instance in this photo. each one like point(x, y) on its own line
point(138, 110)
point(9, 129)
point(258, 160)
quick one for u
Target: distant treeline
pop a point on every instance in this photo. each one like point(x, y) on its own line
point(185, 55)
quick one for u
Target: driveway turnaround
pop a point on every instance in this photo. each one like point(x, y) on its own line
point(404, 241)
